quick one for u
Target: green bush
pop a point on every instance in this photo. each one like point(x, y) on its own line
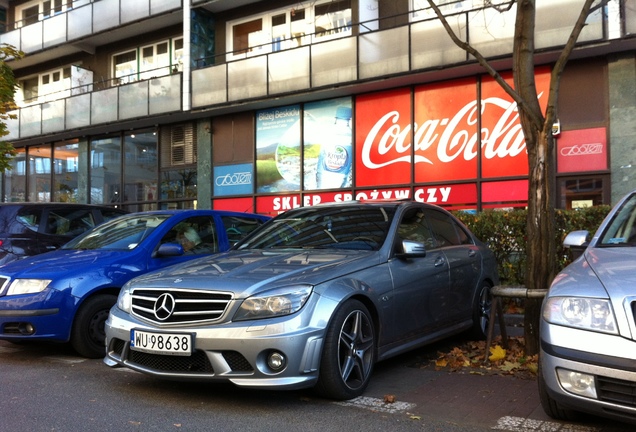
point(505, 234)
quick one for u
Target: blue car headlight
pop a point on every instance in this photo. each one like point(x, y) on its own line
point(27, 286)
point(580, 312)
point(278, 302)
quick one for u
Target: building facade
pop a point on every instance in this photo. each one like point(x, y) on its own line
point(267, 105)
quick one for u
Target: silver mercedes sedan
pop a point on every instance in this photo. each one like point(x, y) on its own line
point(314, 298)
point(588, 329)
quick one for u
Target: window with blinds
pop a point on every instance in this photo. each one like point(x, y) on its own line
point(178, 145)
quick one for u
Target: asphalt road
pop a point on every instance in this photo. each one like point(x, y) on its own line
point(50, 388)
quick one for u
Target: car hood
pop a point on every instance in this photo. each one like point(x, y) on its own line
point(62, 262)
point(600, 272)
point(245, 273)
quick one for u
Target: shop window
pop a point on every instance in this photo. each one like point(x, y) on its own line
point(580, 192)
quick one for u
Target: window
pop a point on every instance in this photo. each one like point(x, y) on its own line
point(290, 27)
point(125, 67)
point(38, 10)
point(149, 61)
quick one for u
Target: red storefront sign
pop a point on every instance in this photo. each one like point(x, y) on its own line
point(582, 150)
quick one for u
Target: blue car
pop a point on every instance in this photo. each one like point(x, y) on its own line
point(65, 295)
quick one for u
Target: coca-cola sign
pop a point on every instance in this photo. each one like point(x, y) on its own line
point(443, 141)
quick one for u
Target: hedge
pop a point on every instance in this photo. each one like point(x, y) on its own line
point(505, 234)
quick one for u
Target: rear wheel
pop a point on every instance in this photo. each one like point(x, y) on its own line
point(481, 312)
point(348, 354)
point(87, 334)
point(549, 405)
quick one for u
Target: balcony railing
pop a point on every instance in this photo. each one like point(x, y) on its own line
point(139, 99)
point(83, 21)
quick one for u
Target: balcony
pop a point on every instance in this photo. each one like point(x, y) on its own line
point(419, 46)
point(84, 27)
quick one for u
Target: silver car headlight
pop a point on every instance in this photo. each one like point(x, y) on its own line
point(124, 301)
point(278, 302)
point(27, 286)
point(580, 312)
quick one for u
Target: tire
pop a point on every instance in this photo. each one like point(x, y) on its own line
point(549, 405)
point(481, 312)
point(87, 334)
point(348, 354)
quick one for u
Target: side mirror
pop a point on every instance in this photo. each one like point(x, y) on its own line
point(169, 250)
point(577, 242)
point(412, 249)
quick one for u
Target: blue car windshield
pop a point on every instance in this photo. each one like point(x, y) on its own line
point(122, 233)
point(354, 227)
point(621, 231)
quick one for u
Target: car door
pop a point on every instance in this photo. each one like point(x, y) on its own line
point(464, 262)
point(420, 284)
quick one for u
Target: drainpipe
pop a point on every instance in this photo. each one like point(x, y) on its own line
point(187, 67)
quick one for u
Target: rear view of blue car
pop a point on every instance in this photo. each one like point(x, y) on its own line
point(65, 295)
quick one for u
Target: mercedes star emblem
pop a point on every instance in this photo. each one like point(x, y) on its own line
point(164, 306)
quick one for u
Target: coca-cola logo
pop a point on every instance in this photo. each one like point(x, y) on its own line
point(582, 150)
point(452, 138)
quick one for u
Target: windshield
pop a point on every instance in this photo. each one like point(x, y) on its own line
point(357, 227)
point(123, 233)
point(621, 231)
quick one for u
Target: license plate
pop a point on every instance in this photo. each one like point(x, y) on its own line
point(177, 344)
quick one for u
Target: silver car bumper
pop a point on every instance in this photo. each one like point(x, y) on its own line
point(231, 352)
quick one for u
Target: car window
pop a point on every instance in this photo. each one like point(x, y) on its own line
point(110, 214)
point(238, 227)
point(30, 218)
point(414, 226)
point(124, 233)
point(197, 235)
point(69, 222)
point(444, 228)
point(621, 231)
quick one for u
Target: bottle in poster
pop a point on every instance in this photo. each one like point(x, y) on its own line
point(334, 163)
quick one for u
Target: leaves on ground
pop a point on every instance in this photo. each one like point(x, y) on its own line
point(470, 357)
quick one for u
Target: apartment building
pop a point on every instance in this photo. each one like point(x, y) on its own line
point(267, 105)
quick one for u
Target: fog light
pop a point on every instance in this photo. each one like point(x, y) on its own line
point(276, 361)
point(26, 328)
point(578, 383)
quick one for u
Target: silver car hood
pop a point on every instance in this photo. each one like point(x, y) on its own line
point(245, 273)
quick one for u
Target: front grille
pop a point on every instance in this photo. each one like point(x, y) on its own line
point(179, 305)
point(3, 283)
point(616, 391)
point(196, 363)
point(237, 362)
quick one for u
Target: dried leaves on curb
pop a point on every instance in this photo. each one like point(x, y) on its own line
point(470, 357)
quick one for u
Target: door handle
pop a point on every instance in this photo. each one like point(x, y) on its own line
point(472, 253)
point(439, 261)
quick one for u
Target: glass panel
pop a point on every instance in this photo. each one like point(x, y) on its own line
point(384, 52)
point(134, 10)
point(165, 94)
point(54, 30)
point(106, 14)
point(104, 105)
point(334, 62)
point(556, 18)
point(79, 22)
point(140, 166)
point(208, 86)
point(15, 178)
point(180, 183)
point(39, 183)
point(13, 126)
point(333, 19)
point(53, 116)
point(31, 37)
point(30, 121)
point(78, 111)
point(247, 78)
point(491, 32)
point(105, 170)
point(65, 167)
point(431, 46)
point(133, 100)
point(158, 6)
point(289, 70)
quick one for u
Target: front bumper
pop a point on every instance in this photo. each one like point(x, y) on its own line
point(610, 360)
point(233, 352)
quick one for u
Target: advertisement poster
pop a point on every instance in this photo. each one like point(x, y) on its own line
point(383, 138)
point(233, 179)
point(582, 150)
point(278, 149)
point(327, 144)
point(446, 139)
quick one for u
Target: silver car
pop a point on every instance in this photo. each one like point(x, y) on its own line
point(315, 297)
point(588, 330)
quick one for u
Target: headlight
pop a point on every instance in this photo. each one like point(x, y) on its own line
point(282, 301)
point(579, 312)
point(27, 286)
point(124, 301)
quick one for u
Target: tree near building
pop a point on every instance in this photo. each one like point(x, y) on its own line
point(8, 86)
point(537, 130)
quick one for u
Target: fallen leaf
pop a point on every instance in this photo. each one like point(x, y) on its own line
point(389, 398)
point(414, 417)
point(497, 353)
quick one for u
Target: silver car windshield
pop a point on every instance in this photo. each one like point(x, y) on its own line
point(363, 228)
point(122, 233)
point(621, 231)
